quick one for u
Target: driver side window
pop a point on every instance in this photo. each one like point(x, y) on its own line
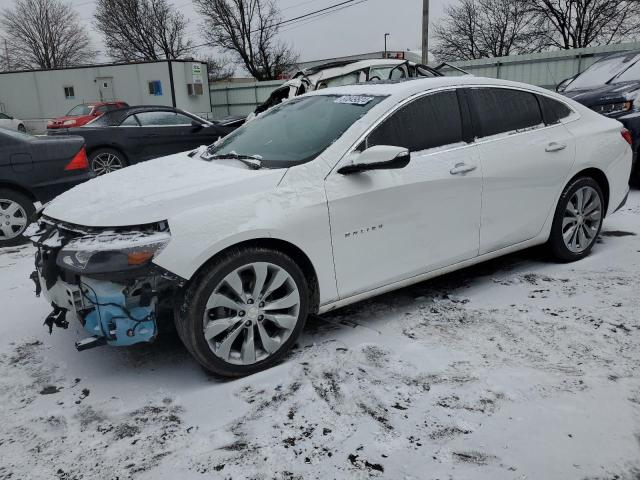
point(428, 122)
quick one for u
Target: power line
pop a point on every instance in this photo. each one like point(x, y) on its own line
point(318, 17)
point(307, 16)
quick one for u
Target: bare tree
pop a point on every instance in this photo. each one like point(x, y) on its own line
point(248, 30)
point(142, 29)
point(486, 28)
point(219, 68)
point(583, 23)
point(44, 34)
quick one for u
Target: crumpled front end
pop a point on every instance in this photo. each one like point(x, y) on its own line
point(105, 279)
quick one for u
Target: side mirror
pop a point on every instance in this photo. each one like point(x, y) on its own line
point(380, 157)
point(196, 125)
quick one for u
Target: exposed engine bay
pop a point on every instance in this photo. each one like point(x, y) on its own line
point(105, 278)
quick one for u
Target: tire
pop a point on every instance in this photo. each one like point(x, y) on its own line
point(231, 333)
point(106, 160)
point(16, 209)
point(578, 220)
point(22, 129)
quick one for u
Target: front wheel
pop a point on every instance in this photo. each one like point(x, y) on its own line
point(15, 211)
point(578, 220)
point(22, 129)
point(243, 312)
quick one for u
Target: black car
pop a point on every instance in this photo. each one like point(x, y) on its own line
point(34, 169)
point(611, 86)
point(134, 134)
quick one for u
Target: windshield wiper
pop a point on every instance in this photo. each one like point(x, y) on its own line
point(252, 161)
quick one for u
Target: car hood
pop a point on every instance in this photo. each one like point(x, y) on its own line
point(158, 190)
point(604, 94)
point(78, 118)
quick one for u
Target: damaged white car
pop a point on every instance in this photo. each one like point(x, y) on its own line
point(323, 201)
point(346, 72)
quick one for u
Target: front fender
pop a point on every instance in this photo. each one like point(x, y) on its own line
point(292, 214)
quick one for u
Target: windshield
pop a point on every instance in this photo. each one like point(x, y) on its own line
point(80, 110)
point(631, 74)
point(108, 119)
point(603, 72)
point(297, 131)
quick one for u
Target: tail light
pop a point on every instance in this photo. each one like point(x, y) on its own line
point(79, 161)
point(626, 134)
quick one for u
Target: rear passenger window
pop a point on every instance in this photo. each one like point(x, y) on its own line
point(130, 121)
point(552, 110)
point(428, 122)
point(499, 110)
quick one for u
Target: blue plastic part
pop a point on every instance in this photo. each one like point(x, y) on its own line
point(111, 319)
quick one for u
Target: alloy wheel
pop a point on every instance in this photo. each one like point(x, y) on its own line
point(13, 219)
point(251, 313)
point(106, 162)
point(582, 219)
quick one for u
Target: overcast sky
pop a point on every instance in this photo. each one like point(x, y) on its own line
point(358, 29)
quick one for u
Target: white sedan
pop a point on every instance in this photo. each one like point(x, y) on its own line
point(11, 123)
point(326, 200)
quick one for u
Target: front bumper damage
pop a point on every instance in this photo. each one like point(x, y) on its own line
point(117, 308)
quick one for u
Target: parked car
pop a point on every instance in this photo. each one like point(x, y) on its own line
point(135, 134)
point(33, 170)
point(347, 72)
point(326, 200)
point(10, 123)
point(83, 114)
point(611, 87)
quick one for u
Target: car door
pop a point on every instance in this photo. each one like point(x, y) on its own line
point(525, 161)
point(167, 132)
point(389, 225)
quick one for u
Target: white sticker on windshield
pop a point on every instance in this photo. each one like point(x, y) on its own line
point(354, 99)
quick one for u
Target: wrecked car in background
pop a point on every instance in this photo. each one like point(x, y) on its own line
point(611, 87)
point(341, 73)
point(323, 201)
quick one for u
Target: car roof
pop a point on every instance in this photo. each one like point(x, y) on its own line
point(115, 117)
point(336, 69)
point(411, 86)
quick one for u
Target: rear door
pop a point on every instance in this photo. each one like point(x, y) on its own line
point(525, 161)
point(389, 225)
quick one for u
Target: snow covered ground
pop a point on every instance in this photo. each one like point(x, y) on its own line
point(518, 368)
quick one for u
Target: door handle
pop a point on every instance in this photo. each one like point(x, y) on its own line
point(555, 147)
point(462, 168)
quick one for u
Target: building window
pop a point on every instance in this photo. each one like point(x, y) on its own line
point(155, 88)
point(69, 93)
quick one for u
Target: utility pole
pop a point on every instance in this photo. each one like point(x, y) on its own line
point(425, 32)
point(385, 44)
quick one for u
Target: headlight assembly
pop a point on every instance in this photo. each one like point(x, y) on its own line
point(612, 108)
point(110, 252)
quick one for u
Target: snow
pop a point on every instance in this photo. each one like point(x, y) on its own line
point(519, 368)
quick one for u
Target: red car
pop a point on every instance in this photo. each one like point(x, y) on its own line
point(83, 114)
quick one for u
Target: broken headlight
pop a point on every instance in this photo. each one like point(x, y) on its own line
point(109, 252)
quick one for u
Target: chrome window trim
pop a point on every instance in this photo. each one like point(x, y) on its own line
point(390, 112)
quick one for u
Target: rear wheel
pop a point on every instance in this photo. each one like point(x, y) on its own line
point(22, 129)
point(243, 313)
point(106, 160)
point(15, 211)
point(578, 220)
